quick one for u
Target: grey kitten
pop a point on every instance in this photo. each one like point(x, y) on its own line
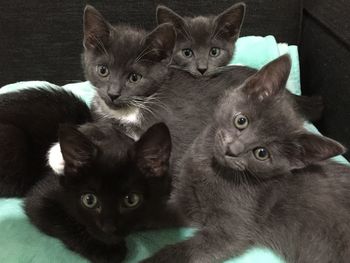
point(256, 177)
point(204, 42)
point(126, 64)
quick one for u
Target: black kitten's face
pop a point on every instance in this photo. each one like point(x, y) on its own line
point(112, 201)
point(125, 64)
point(258, 132)
point(115, 191)
point(204, 43)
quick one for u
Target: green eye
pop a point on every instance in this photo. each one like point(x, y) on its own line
point(89, 200)
point(187, 52)
point(102, 70)
point(132, 200)
point(214, 52)
point(241, 122)
point(134, 77)
point(261, 154)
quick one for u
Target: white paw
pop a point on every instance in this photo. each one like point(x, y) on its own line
point(55, 159)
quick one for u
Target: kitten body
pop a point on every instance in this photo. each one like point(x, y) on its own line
point(249, 181)
point(110, 188)
point(29, 122)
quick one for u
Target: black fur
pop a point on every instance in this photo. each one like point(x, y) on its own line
point(102, 161)
point(29, 122)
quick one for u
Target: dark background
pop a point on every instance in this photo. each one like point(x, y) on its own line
point(42, 40)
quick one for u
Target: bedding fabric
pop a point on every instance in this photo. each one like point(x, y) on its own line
point(22, 242)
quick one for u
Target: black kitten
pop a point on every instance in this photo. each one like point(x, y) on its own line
point(111, 186)
point(204, 43)
point(256, 177)
point(29, 122)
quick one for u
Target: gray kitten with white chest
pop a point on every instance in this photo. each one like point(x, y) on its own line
point(127, 65)
point(256, 177)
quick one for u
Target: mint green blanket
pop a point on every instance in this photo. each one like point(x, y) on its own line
point(20, 242)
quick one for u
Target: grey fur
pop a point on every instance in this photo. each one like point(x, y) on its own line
point(202, 33)
point(296, 202)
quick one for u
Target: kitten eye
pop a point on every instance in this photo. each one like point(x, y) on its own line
point(132, 200)
point(241, 122)
point(103, 70)
point(261, 153)
point(89, 200)
point(214, 52)
point(187, 52)
point(134, 77)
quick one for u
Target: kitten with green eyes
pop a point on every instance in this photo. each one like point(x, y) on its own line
point(111, 186)
point(204, 43)
point(256, 177)
point(127, 65)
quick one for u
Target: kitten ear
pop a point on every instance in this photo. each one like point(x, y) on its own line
point(228, 24)
point(77, 150)
point(166, 15)
point(159, 44)
point(269, 80)
point(153, 150)
point(96, 29)
point(313, 148)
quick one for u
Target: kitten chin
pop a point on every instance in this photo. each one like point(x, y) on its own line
point(128, 115)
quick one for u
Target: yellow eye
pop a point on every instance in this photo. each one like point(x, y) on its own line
point(89, 200)
point(261, 154)
point(187, 52)
point(132, 200)
point(214, 52)
point(134, 77)
point(241, 122)
point(102, 70)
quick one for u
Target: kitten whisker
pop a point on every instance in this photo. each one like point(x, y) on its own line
point(99, 43)
point(187, 34)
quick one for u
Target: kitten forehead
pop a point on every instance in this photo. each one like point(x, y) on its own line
point(200, 28)
point(270, 116)
point(127, 43)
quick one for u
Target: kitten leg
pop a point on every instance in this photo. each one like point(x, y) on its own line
point(207, 246)
point(55, 159)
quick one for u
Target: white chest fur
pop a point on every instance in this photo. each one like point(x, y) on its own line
point(130, 115)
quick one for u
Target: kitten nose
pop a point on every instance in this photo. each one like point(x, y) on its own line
point(202, 70)
point(113, 96)
point(234, 149)
point(230, 153)
point(108, 228)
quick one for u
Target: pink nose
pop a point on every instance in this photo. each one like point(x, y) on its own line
point(234, 149)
